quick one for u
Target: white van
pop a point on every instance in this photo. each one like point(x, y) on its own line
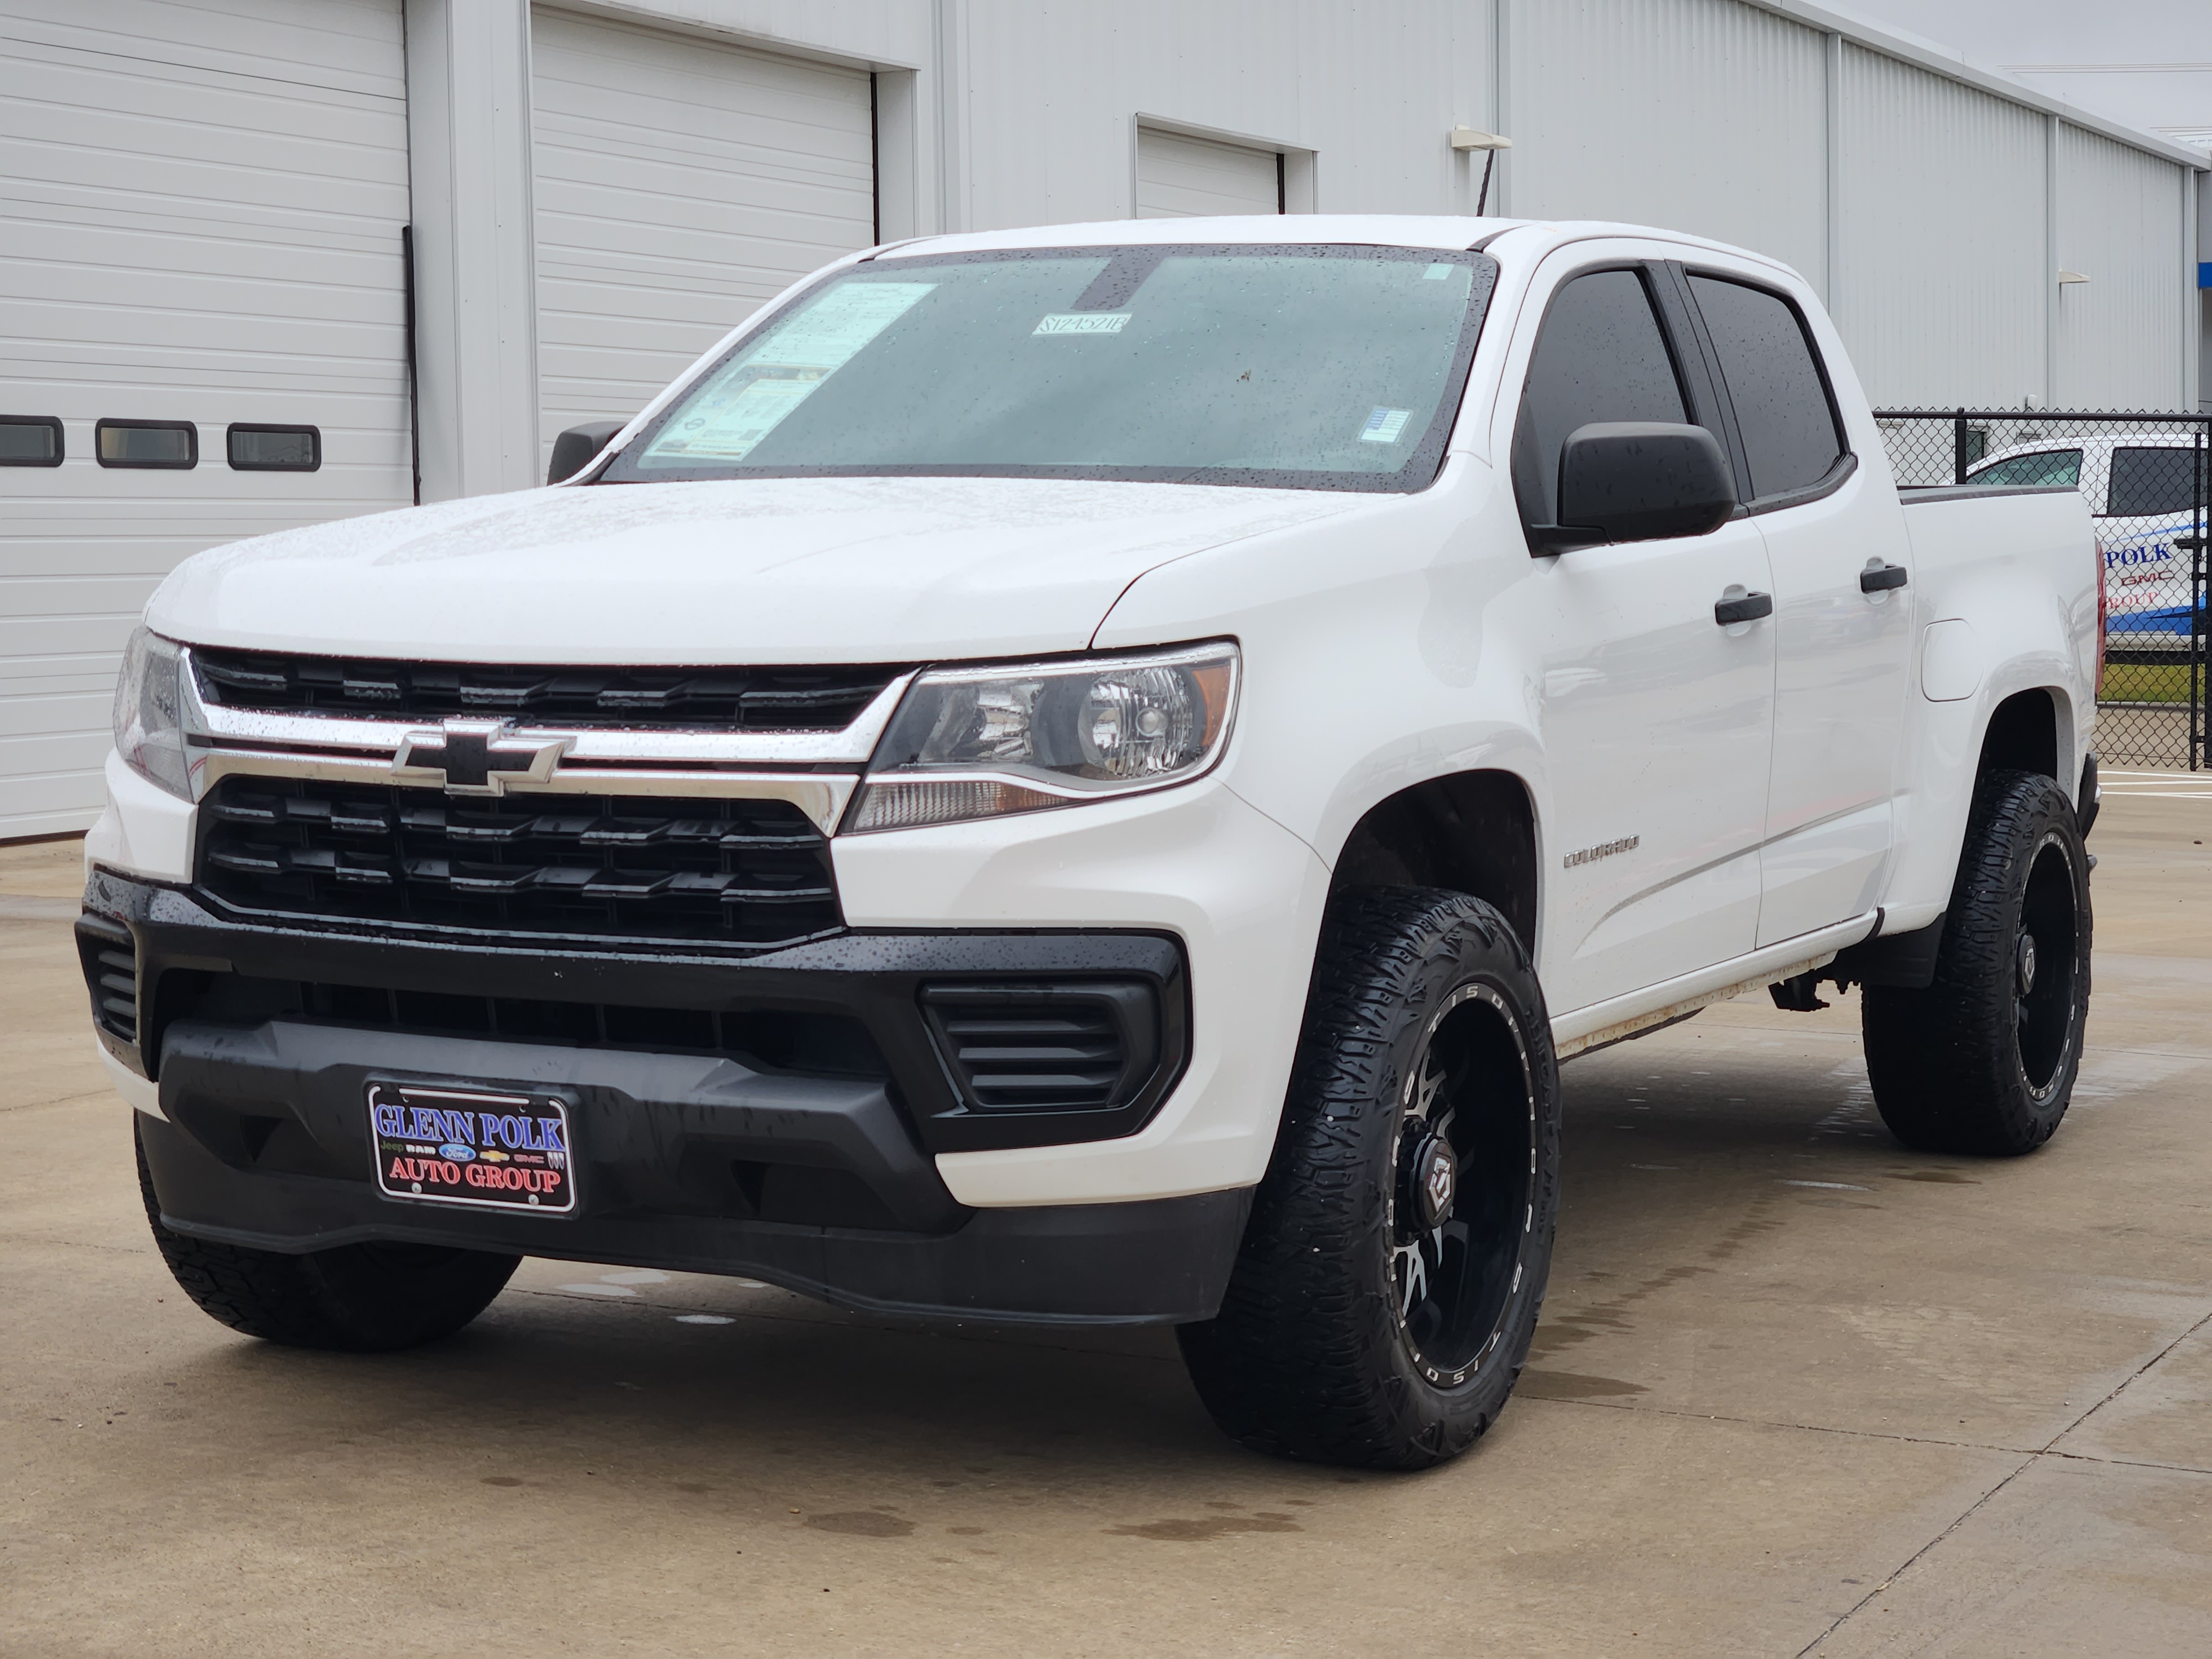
point(2147, 493)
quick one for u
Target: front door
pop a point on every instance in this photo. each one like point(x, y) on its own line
point(1656, 719)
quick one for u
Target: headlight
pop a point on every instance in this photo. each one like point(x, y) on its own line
point(975, 743)
point(149, 706)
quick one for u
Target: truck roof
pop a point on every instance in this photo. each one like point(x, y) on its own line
point(1381, 229)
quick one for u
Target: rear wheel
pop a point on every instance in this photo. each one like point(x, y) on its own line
point(1984, 1060)
point(1382, 1305)
point(368, 1298)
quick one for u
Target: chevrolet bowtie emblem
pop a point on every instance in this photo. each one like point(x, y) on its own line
point(475, 757)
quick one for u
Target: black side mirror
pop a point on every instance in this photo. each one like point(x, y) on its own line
point(1635, 481)
point(574, 448)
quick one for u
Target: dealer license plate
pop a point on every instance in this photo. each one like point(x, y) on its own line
point(449, 1145)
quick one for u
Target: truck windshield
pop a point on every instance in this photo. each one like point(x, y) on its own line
point(1319, 368)
point(2046, 468)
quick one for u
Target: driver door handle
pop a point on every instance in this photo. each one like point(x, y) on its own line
point(1750, 608)
point(1882, 578)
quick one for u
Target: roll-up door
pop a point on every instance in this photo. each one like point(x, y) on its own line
point(1180, 177)
point(200, 217)
point(680, 182)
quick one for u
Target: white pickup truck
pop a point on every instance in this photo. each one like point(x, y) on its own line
point(1094, 775)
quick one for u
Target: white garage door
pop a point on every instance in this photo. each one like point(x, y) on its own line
point(200, 215)
point(1183, 178)
point(681, 181)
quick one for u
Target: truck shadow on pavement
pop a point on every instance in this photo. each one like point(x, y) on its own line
point(696, 1385)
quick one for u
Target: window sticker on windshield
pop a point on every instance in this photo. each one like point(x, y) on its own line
point(1083, 322)
point(1384, 426)
point(828, 333)
point(1438, 273)
point(754, 395)
point(727, 428)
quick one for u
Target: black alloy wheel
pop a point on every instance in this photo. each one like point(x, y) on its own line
point(1384, 1302)
point(2045, 967)
point(1984, 1060)
point(1460, 1213)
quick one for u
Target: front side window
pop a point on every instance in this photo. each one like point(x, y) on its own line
point(1325, 368)
point(2046, 469)
point(1790, 435)
point(1600, 357)
point(2154, 482)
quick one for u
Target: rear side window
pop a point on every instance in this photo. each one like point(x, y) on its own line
point(1791, 435)
point(1600, 357)
point(2153, 482)
point(2054, 468)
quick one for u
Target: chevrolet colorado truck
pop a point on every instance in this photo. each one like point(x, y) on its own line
point(1095, 775)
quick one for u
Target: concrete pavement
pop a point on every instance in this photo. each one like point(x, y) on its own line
point(1796, 1390)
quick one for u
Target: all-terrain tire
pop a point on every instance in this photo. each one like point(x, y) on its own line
point(1426, 1035)
point(365, 1299)
point(1982, 1060)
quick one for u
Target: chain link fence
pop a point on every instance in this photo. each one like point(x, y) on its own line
point(2148, 479)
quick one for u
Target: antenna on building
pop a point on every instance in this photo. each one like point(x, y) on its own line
point(1467, 138)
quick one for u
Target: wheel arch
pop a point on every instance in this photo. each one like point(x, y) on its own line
point(1474, 832)
point(2022, 735)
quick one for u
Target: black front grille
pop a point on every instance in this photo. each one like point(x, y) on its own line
point(1083, 1045)
point(753, 873)
point(745, 699)
point(110, 957)
point(763, 1039)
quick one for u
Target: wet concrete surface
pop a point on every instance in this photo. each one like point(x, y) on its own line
point(1796, 1390)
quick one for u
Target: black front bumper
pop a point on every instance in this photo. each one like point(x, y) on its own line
point(817, 1173)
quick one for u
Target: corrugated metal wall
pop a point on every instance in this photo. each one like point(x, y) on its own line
point(1051, 94)
point(1940, 279)
point(1711, 116)
point(1701, 115)
point(2122, 336)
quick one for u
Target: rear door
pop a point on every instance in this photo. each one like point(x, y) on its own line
point(1843, 639)
point(2150, 519)
point(1656, 720)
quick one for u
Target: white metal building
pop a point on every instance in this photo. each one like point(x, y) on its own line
point(210, 325)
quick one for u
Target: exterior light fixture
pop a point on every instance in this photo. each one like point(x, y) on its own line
point(1467, 139)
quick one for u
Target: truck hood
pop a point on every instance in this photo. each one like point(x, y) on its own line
point(783, 570)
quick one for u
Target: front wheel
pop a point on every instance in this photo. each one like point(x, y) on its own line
point(368, 1298)
point(1389, 1282)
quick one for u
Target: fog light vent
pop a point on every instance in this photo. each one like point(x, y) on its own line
point(110, 956)
point(1080, 1045)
